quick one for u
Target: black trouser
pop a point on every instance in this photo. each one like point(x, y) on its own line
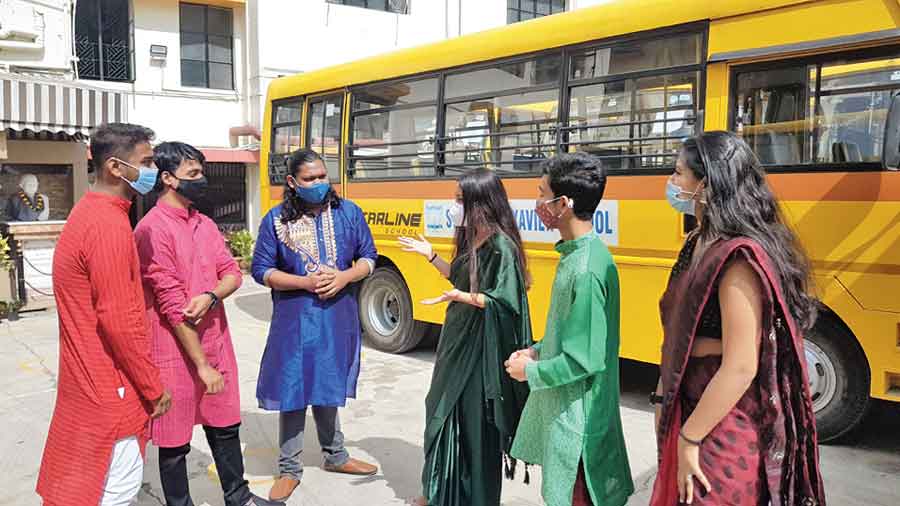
point(225, 444)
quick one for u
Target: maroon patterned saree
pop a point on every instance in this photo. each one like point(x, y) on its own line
point(764, 451)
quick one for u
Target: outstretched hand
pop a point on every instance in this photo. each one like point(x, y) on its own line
point(420, 246)
point(448, 296)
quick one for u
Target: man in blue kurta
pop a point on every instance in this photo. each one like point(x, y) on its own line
point(311, 251)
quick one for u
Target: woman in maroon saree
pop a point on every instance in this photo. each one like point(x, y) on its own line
point(736, 425)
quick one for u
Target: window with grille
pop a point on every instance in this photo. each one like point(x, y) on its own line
point(397, 6)
point(103, 40)
point(207, 47)
point(826, 112)
point(523, 10)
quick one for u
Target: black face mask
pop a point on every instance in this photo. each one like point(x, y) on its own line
point(192, 189)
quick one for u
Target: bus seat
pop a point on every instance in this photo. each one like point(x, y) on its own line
point(842, 152)
point(775, 148)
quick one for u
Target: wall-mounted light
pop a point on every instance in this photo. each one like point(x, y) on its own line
point(158, 52)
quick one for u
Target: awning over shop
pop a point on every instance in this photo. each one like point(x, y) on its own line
point(31, 104)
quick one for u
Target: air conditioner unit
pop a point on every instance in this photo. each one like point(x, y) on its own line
point(19, 21)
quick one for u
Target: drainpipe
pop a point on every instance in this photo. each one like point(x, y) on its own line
point(235, 132)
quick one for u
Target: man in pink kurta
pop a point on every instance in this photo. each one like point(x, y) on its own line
point(187, 270)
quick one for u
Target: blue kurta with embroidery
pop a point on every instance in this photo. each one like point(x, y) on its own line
point(312, 353)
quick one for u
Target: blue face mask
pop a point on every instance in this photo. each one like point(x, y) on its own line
point(146, 178)
point(314, 194)
point(686, 206)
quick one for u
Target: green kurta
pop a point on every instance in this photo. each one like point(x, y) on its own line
point(572, 414)
point(473, 407)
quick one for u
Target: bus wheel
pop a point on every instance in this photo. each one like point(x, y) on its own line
point(385, 313)
point(839, 378)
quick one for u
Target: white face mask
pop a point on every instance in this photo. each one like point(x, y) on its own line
point(457, 214)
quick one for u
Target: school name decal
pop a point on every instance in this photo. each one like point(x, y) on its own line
point(394, 223)
point(606, 221)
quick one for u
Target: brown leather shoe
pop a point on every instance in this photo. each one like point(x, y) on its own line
point(353, 466)
point(283, 488)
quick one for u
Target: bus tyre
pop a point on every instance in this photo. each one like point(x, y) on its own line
point(839, 378)
point(385, 313)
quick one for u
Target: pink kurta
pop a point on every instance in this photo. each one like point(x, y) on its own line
point(182, 255)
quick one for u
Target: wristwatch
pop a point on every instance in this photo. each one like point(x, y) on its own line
point(215, 299)
point(655, 399)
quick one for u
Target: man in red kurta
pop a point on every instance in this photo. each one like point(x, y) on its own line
point(108, 386)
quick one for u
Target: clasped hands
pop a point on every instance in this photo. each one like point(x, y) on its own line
point(515, 364)
point(327, 282)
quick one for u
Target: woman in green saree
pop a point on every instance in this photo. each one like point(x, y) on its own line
point(473, 407)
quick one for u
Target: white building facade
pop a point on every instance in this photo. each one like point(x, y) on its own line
point(194, 71)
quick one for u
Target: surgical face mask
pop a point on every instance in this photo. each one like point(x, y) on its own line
point(682, 205)
point(146, 178)
point(550, 220)
point(457, 214)
point(193, 190)
point(314, 194)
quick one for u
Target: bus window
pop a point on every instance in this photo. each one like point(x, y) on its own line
point(511, 133)
point(323, 132)
point(853, 106)
point(395, 94)
point(772, 111)
point(286, 127)
point(828, 112)
point(396, 143)
point(285, 137)
point(634, 123)
point(541, 71)
point(394, 127)
point(675, 51)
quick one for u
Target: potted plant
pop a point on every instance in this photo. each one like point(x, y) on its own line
point(241, 244)
point(8, 309)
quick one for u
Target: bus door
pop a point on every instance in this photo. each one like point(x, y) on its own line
point(324, 124)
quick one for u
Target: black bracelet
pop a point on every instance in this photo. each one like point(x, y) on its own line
point(433, 257)
point(687, 440)
point(214, 297)
point(655, 399)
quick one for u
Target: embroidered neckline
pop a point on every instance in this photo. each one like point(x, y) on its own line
point(301, 237)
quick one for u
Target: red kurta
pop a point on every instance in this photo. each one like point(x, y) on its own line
point(103, 346)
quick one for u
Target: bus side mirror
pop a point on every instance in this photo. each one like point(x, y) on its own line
point(890, 151)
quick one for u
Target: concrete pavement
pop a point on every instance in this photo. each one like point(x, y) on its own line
point(384, 426)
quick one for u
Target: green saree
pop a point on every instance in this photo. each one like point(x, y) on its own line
point(473, 406)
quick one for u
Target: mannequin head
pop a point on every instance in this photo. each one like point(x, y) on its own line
point(29, 184)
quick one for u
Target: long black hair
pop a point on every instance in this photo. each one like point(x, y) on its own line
point(487, 212)
point(294, 207)
point(739, 203)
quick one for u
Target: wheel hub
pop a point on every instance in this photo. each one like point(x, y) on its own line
point(384, 310)
point(822, 375)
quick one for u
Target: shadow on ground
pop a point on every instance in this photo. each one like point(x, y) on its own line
point(399, 462)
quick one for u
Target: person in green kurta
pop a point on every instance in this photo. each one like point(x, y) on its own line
point(571, 424)
point(473, 407)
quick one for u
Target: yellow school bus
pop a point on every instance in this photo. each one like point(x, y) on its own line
point(808, 84)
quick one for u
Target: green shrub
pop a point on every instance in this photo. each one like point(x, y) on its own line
point(241, 244)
